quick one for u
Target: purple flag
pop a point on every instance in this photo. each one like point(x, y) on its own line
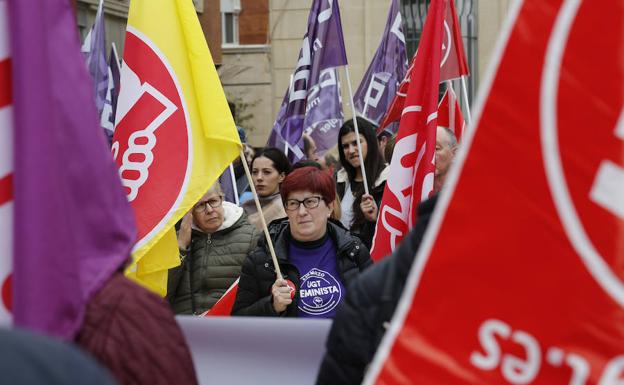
point(324, 112)
point(107, 118)
point(227, 180)
point(73, 223)
point(96, 59)
point(322, 49)
point(386, 71)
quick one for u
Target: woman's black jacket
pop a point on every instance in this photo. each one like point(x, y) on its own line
point(258, 275)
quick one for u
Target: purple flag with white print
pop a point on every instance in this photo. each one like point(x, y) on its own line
point(387, 69)
point(324, 112)
point(73, 223)
point(96, 60)
point(107, 118)
point(322, 48)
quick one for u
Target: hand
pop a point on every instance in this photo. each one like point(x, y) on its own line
point(369, 207)
point(281, 295)
point(184, 235)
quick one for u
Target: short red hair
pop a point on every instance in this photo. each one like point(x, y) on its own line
point(309, 179)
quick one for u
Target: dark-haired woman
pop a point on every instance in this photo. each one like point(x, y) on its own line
point(269, 167)
point(318, 256)
point(359, 211)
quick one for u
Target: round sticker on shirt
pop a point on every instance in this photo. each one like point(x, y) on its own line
point(319, 293)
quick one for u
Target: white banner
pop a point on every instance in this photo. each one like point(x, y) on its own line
point(255, 350)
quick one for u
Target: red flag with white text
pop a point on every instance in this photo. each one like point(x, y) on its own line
point(453, 63)
point(450, 114)
point(412, 166)
point(519, 279)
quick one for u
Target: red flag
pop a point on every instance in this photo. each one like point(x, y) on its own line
point(520, 279)
point(450, 114)
point(224, 305)
point(453, 64)
point(412, 168)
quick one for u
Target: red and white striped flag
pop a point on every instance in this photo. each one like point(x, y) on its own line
point(412, 167)
point(6, 169)
point(450, 114)
point(453, 63)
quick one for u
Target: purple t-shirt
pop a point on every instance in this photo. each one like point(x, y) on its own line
point(321, 288)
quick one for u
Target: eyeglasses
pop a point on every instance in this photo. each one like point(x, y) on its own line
point(212, 202)
point(308, 203)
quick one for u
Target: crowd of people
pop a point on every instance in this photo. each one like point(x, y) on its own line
point(321, 222)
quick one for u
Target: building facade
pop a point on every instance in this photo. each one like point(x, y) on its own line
point(255, 44)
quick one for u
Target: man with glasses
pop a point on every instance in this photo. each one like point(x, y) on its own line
point(214, 240)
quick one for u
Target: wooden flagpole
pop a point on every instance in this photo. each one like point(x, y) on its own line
point(259, 208)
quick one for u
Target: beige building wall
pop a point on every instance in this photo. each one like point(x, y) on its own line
point(247, 81)
point(491, 18)
point(257, 76)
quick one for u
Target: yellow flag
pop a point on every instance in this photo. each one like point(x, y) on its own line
point(174, 134)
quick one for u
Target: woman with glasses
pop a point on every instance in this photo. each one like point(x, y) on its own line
point(269, 167)
point(317, 255)
point(214, 240)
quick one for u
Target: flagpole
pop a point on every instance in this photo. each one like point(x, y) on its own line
point(465, 93)
point(114, 47)
point(290, 87)
point(234, 187)
point(451, 104)
point(357, 131)
point(259, 208)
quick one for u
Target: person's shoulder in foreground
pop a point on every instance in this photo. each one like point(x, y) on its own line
point(365, 314)
point(32, 359)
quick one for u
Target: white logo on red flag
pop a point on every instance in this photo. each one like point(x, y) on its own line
point(591, 209)
point(152, 152)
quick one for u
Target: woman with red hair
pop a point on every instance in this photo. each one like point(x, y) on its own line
point(319, 256)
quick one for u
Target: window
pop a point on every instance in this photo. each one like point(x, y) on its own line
point(229, 21)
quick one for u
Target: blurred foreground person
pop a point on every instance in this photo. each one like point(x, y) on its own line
point(366, 312)
point(214, 240)
point(318, 256)
point(32, 359)
point(133, 332)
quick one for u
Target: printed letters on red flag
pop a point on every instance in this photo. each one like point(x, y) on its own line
point(412, 166)
point(519, 279)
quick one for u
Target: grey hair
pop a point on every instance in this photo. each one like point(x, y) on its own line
point(452, 137)
point(215, 188)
